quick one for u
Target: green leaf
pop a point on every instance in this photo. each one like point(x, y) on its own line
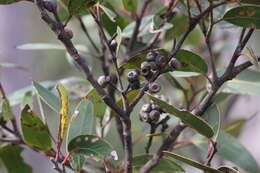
point(192, 62)
point(135, 61)
point(164, 163)
point(252, 57)
point(225, 169)
point(91, 146)
point(7, 110)
point(130, 5)
point(10, 65)
point(247, 82)
point(6, 2)
point(17, 96)
point(191, 162)
point(48, 97)
point(27, 99)
point(118, 39)
point(144, 27)
point(187, 118)
point(81, 122)
point(244, 16)
point(230, 149)
point(10, 155)
point(99, 107)
point(110, 14)
point(214, 119)
point(184, 74)
point(76, 7)
point(48, 46)
point(35, 133)
point(234, 127)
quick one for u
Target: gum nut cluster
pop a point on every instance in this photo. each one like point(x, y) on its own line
point(103, 81)
point(133, 80)
point(150, 113)
point(154, 62)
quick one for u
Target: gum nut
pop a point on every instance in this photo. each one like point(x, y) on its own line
point(175, 64)
point(135, 84)
point(113, 45)
point(69, 33)
point(154, 66)
point(155, 107)
point(132, 76)
point(50, 6)
point(154, 115)
point(145, 68)
point(161, 59)
point(146, 107)
point(151, 56)
point(154, 87)
point(143, 116)
point(102, 81)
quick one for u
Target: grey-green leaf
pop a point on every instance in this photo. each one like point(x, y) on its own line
point(247, 82)
point(191, 162)
point(81, 122)
point(165, 164)
point(187, 118)
point(230, 149)
point(48, 97)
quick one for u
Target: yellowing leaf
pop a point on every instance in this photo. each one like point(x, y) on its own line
point(63, 111)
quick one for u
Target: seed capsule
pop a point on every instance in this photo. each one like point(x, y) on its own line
point(132, 76)
point(103, 81)
point(145, 69)
point(113, 45)
point(151, 56)
point(135, 85)
point(146, 107)
point(143, 116)
point(161, 60)
point(69, 33)
point(154, 116)
point(154, 87)
point(175, 64)
point(50, 6)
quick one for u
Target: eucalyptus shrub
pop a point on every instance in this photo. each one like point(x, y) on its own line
point(160, 66)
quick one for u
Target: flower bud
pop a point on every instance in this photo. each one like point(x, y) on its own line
point(146, 108)
point(143, 116)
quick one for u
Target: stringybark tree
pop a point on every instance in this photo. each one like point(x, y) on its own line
point(160, 54)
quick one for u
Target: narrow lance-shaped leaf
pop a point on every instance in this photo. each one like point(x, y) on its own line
point(164, 164)
point(10, 156)
point(187, 118)
point(191, 162)
point(35, 133)
point(226, 169)
point(63, 111)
